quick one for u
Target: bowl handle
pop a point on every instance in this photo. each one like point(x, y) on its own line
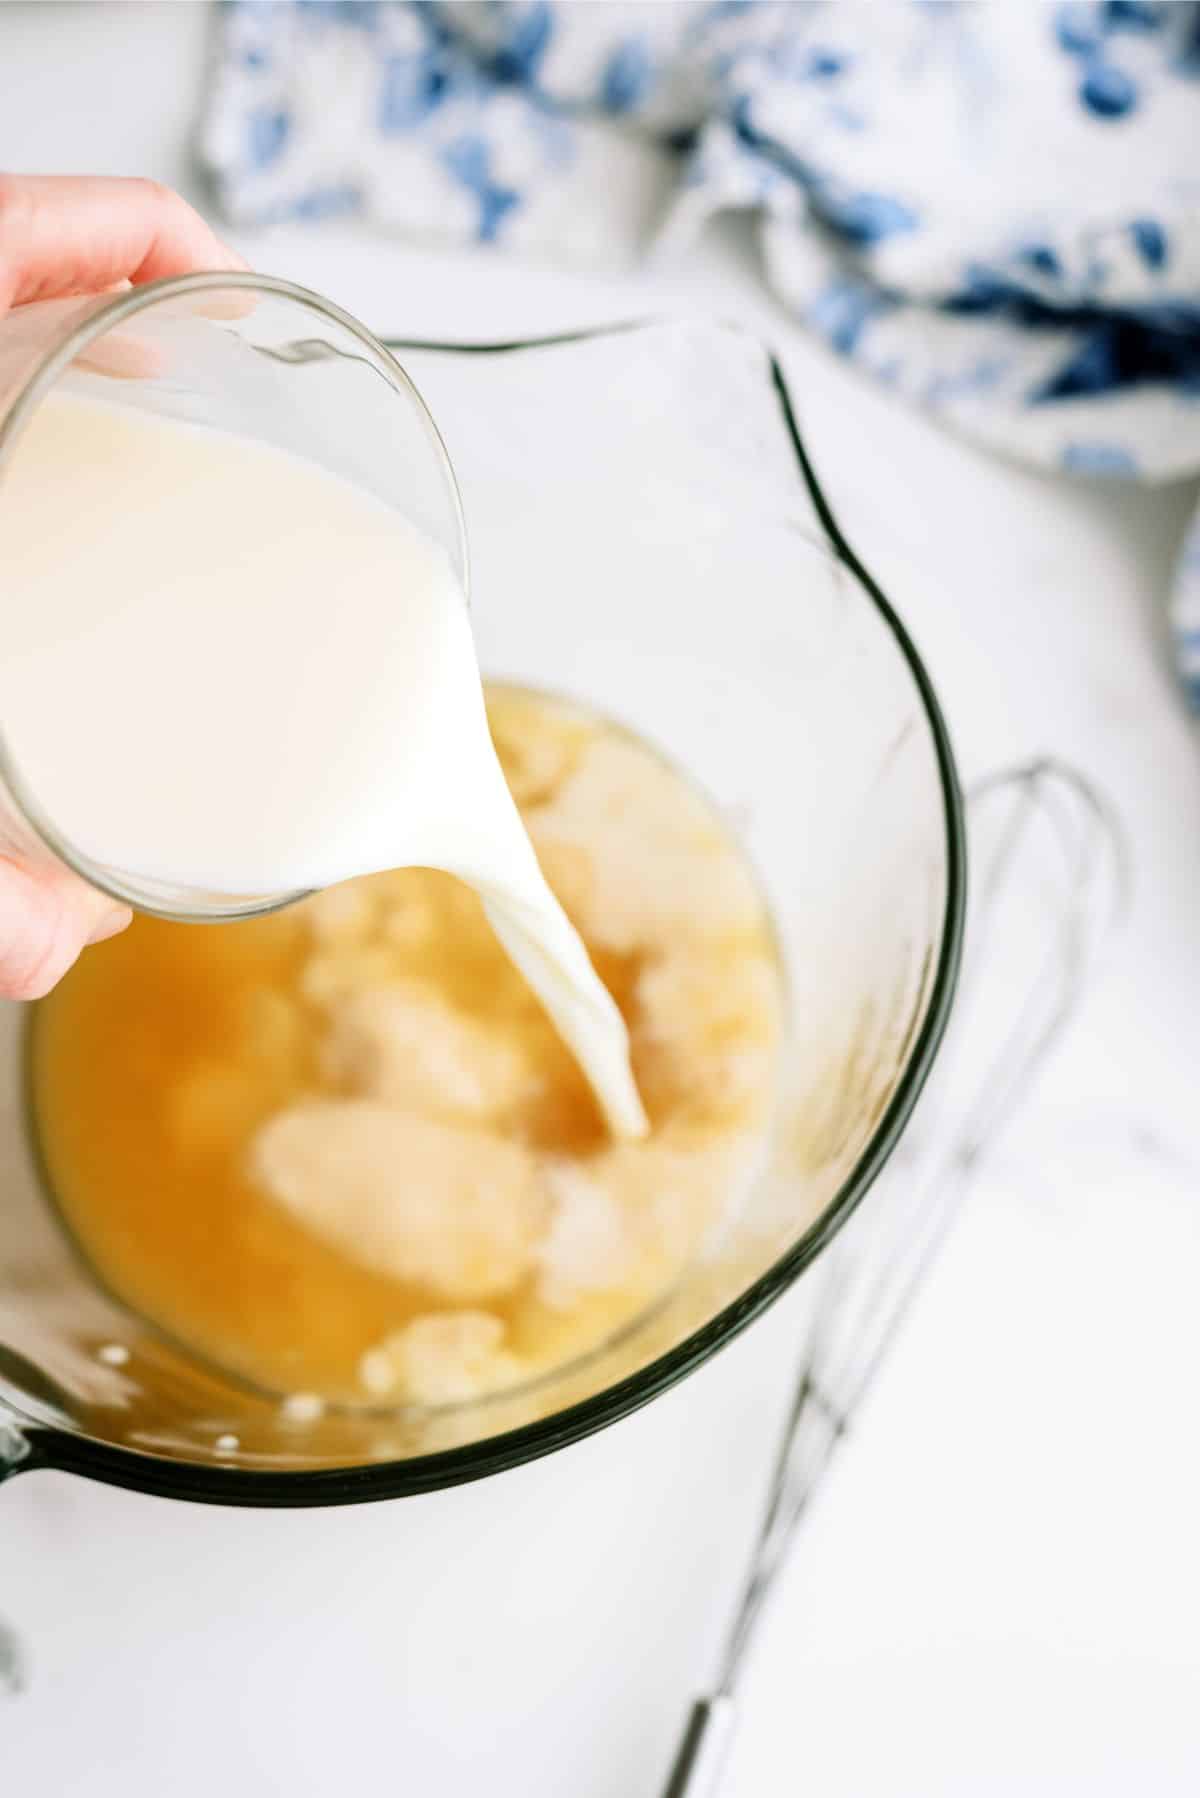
point(16, 1452)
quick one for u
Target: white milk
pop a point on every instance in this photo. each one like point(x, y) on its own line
point(225, 668)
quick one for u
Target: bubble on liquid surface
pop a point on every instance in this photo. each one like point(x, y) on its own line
point(302, 1407)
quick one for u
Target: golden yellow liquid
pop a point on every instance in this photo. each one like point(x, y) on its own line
point(162, 1056)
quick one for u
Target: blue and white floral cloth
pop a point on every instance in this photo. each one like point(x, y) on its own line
point(994, 208)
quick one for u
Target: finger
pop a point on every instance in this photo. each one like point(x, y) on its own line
point(47, 915)
point(27, 332)
point(68, 234)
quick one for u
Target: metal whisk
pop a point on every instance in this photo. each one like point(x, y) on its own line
point(1049, 874)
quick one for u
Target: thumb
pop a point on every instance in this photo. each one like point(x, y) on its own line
point(47, 915)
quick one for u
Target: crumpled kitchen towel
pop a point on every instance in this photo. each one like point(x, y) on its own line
point(993, 208)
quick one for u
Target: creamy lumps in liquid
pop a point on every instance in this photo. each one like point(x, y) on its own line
point(343, 1151)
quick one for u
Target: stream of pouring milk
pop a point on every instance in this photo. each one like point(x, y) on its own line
point(224, 667)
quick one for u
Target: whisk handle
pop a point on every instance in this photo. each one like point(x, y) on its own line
point(700, 1761)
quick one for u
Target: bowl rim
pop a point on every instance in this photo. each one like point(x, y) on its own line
point(47, 1445)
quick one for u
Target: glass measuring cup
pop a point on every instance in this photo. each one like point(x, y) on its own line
point(251, 356)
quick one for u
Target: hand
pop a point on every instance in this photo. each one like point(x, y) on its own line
point(62, 235)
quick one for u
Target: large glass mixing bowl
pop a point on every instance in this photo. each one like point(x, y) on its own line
point(648, 536)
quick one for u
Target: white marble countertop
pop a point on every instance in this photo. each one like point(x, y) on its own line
point(996, 1592)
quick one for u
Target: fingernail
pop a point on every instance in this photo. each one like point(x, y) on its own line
point(111, 924)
